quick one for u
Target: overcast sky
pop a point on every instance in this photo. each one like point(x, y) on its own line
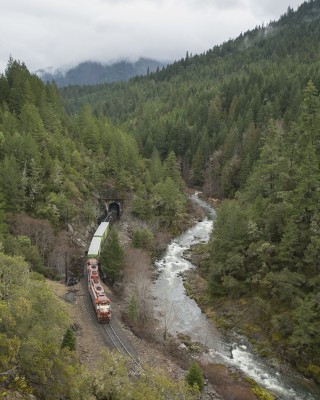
point(56, 33)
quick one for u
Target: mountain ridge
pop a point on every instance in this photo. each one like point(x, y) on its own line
point(93, 72)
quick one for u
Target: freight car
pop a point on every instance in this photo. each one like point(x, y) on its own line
point(101, 303)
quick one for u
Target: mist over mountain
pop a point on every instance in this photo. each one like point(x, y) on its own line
point(91, 73)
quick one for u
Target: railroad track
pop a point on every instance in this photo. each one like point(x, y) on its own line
point(117, 342)
point(112, 339)
point(111, 332)
point(119, 345)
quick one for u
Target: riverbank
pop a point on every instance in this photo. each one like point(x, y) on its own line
point(236, 318)
point(138, 279)
point(227, 378)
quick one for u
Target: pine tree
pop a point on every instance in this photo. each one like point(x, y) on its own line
point(88, 128)
point(271, 172)
point(155, 167)
point(306, 325)
point(12, 187)
point(195, 377)
point(169, 202)
point(69, 340)
point(310, 116)
point(171, 170)
point(3, 225)
point(112, 256)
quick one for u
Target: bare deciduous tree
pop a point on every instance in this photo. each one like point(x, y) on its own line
point(56, 250)
point(138, 282)
point(39, 231)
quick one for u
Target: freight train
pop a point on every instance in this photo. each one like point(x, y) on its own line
point(101, 303)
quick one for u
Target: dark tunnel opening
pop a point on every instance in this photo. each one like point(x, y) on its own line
point(114, 207)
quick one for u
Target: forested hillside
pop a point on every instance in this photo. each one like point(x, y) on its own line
point(243, 119)
point(265, 247)
point(53, 168)
point(210, 109)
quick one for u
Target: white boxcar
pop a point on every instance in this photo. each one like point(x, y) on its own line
point(95, 247)
point(102, 230)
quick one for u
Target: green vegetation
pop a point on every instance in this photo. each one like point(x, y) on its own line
point(113, 381)
point(69, 340)
point(52, 169)
point(264, 243)
point(51, 163)
point(142, 238)
point(211, 109)
point(194, 376)
point(32, 323)
point(133, 309)
point(112, 256)
point(261, 393)
point(37, 349)
point(241, 121)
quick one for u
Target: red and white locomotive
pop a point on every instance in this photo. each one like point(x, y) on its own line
point(100, 301)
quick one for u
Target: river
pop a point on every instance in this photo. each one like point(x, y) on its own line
point(180, 314)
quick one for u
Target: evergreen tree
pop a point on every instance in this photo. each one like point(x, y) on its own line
point(215, 118)
point(195, 377)
point(155, 167)
point(69, 340)
point(312, 254)
point(21, 92)
point(200, 159)
point(3, 225)
point(306, 325)
point(271, 171)
point(88, 128)
point(168, 202)
point(11, 183)
point(171, 170)
point(112, 256)
point(31, 122)
point(310, 117)
point(198, 167)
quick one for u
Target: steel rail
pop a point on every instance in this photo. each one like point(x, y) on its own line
point(109, 328)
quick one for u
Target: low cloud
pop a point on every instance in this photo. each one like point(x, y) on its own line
point(56, 33)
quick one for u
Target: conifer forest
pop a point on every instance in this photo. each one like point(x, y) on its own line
point(239, 122)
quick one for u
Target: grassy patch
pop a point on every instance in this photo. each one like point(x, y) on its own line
point(314, 370)
point(260, 392)
point(194, 347)
point(196, 288)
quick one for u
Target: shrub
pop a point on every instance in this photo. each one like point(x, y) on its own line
point(195, 377)
point(142, 238)
point(69, 340)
